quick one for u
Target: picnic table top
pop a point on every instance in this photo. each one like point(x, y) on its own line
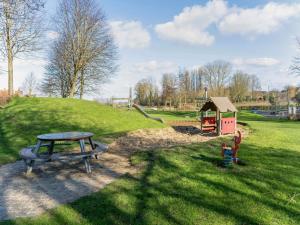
point(65, 136)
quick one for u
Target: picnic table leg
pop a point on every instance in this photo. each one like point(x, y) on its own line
point(93, 147)
point(37, 147)
point(86, 159)
point(50, 149)
point(29, 163)
point(91, 143)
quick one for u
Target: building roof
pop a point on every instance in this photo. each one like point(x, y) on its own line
point(221, 103)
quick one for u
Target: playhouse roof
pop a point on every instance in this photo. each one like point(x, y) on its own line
point(221, 103)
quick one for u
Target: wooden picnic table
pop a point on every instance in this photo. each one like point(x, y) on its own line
point(32, 154)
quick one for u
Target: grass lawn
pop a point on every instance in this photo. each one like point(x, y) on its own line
point(184, 185)
point(24, 118)
point(180, 115)
point(171, 116)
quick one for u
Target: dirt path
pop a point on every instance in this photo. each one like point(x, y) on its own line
point(57, 183)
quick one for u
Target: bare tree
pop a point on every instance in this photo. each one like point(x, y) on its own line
point(83, 56)
point(255, 84)
point(239, 85)
point(146, 92)
point(169, 87)
point(56, 78)
point(185, 84)
point(29, 84)
point(197, 79)
point(298, 97)
point(295, 67)
point(217, 75)
point(21, 29)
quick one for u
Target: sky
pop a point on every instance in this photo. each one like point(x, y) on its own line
point(162, 36)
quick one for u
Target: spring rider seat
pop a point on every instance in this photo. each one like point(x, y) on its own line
point(229, 154)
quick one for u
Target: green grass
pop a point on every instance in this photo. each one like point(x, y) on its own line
point(171, 116)
point(24, 118)
point(184, 185)
point(180, 115)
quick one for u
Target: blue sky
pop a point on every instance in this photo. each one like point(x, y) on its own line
point(158, 36)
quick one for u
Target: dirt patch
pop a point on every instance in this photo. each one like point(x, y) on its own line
point(146, 139)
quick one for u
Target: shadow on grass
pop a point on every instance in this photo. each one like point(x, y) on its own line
point(161, 195)
point(184, 185)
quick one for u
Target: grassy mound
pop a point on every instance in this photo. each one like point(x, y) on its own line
point(24, 118)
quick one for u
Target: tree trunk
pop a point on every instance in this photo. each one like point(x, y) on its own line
point(72, 91)
point(10, 73)
point(73, 85)
point(9, 51)
point(81, 85)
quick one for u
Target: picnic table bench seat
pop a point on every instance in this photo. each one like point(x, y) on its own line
point(27, 154)
point(99, 148)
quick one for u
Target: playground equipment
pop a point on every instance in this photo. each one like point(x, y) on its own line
point(139, 108)
point(118, 101)
point(216, 123)
point(229, 154)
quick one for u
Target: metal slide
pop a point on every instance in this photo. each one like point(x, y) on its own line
point(139, 108)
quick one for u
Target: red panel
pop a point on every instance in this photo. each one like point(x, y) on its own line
point(209, 120)
point(228, 125)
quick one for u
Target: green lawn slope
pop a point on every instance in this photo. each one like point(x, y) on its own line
point(24, 118)
point(185, 185)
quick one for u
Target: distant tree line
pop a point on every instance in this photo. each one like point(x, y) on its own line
point(188, 85)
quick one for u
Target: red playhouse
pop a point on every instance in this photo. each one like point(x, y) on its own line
point(215, 106)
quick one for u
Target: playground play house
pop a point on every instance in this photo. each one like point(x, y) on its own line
point(217, 106)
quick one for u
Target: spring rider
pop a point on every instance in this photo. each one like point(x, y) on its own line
point(229, 154)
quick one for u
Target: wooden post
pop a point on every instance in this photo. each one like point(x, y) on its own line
point(220, 123)
point(205, 89)
point(201, 120)
point(235, 117)
point(130, 98)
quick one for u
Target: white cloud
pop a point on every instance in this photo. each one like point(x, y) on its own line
point(154, 66)
point(258, 20)
point(52, 34)
point(190, 26)
point(130, 34)
point(255, 62)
